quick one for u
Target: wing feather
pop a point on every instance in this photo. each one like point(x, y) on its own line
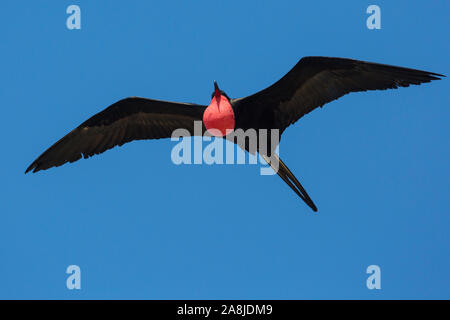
point(315, 81)
point(124, 121)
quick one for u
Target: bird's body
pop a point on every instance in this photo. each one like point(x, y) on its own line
point(313, 82)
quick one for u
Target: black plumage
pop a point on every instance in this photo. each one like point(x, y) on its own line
point(311, 83)
point(124, 121)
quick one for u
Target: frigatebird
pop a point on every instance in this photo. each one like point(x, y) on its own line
point(311, 83)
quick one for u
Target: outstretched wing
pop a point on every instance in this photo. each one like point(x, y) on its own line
point(315, 81)
point(124, 121)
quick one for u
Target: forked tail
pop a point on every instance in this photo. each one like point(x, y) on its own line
point(288, 177)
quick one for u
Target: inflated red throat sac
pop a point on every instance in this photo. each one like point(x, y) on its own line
point(219, 116)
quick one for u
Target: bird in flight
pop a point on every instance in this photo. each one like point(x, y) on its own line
point(311, 83)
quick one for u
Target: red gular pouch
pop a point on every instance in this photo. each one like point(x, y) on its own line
point(219, 116)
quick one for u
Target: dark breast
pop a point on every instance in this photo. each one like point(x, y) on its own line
point(256, 118)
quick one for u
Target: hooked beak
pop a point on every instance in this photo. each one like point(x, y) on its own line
point(216, 88)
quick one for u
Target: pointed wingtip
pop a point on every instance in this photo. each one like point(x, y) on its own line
point(311, 204)
point(30, 168)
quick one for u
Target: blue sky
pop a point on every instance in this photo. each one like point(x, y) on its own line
point(376, 164)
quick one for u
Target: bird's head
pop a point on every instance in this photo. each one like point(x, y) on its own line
point(217, 92)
